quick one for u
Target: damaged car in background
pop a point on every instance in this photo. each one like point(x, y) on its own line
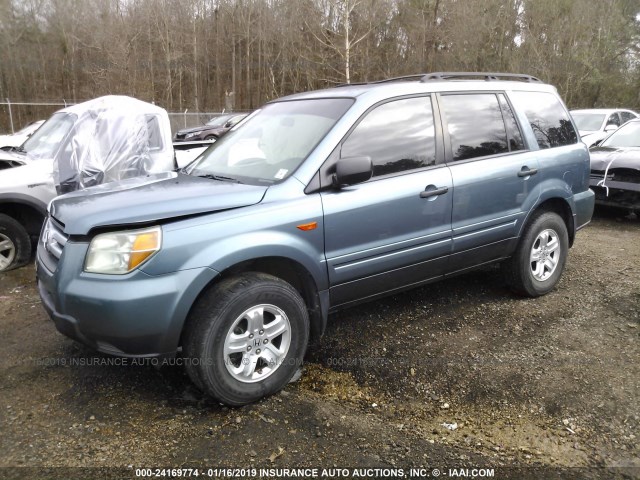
point(100, 141)
point(615, 168)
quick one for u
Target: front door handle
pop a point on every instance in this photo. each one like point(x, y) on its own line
point(527, 172)
point(433, 193)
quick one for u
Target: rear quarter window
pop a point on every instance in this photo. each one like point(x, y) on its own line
point(548, 118)
point(154, 132)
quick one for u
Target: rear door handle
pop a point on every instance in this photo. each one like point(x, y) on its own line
point(527, 172)
point(433, 193)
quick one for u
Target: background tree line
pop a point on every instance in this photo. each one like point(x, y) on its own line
point(216, 54)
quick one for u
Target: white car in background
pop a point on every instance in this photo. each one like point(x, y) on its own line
point(18, 138)
point(595, 124)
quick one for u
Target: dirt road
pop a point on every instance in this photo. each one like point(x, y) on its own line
point(453, 375)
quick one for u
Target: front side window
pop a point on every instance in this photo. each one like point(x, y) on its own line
point(397, 135)
point(272, 143)
point(549, 120)
point(476, 126)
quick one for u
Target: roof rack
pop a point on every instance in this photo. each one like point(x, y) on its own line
point(350, 84)
point(428, 77)
point(488, 76)
point(416, 76)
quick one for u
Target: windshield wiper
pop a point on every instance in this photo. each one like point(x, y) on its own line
point(220, 178)
point(18, 149)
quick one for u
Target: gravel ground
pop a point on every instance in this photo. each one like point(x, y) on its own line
point(458, 374)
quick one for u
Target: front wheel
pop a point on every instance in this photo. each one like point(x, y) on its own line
point(15, 244)
point(537, 265)
point(246, 338)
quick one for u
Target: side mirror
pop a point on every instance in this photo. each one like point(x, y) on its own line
point(610, 128)
point(352, 170)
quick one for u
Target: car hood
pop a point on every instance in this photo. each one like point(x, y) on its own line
point(149, 199)
point(592, 137)
point(586, 132)
point(194, 129)
point(13, 156)
point(617, 157)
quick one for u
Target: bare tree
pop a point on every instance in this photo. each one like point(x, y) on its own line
point(185, 54)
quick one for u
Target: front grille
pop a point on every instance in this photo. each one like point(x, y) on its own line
point(53, 241)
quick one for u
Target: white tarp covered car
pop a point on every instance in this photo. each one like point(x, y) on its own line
point(100, 141)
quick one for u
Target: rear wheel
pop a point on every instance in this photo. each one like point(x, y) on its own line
point(246, 338)
point(15, 244)
point(537, 265)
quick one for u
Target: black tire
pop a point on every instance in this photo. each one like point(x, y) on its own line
point(211, 321)
point(518, 269)
point(18, 252)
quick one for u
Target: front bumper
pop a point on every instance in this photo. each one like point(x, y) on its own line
point(617, 194)
point(133, 315)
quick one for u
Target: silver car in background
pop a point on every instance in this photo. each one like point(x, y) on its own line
point(594, 124)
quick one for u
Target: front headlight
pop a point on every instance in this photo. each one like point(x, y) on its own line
point(192, 134)
point(121, 252)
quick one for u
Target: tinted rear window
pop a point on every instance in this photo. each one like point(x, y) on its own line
point(548, 118)
point(476, 126)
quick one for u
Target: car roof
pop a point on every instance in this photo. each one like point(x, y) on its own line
point(406, 87)
point(602, 110)
point(121, 103)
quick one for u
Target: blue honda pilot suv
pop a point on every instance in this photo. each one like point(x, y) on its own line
point(316, 202)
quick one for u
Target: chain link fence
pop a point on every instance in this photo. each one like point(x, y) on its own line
point(16, 115)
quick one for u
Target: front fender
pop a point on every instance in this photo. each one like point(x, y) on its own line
point(231, 251)
point(228, 238)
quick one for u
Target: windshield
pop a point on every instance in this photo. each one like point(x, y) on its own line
point(28, 128)
point(271, 144)
point(218, 121)
point(626, 136)
point(588, 121)
point(44, 143)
